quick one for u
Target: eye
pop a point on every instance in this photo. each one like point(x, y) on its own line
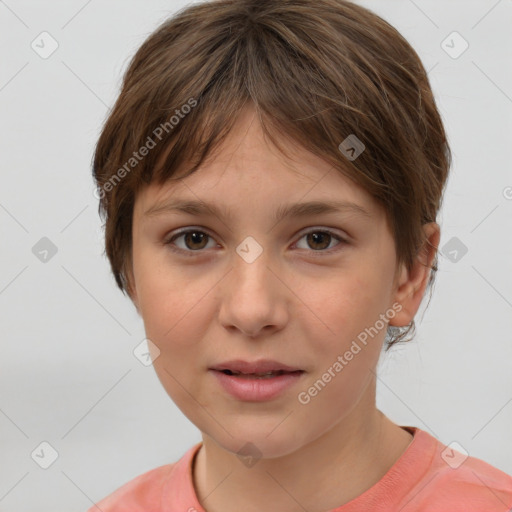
point(194, 240)
point(319, 240)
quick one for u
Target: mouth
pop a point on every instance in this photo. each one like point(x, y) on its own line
point(263, 368)
point(262, 375)
point(256, 381)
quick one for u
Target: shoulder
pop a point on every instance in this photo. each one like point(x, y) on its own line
point(458, 482)
point(142, 493)
point(155, 490)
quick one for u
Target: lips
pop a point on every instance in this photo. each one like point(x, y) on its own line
point(255, 374)
point(261, 368)
point(257, 381)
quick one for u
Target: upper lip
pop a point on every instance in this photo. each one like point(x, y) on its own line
point(260, 366)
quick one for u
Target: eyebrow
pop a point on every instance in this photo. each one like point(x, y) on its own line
point(193, 207)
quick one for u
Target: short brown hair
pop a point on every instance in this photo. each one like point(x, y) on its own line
point(315, 70)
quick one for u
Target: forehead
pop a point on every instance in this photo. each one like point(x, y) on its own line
point(247, 165)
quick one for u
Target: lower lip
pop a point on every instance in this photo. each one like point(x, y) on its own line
point(254, 389)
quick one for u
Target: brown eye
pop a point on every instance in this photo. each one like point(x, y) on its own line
point(192, 240)
point(195, 239)
point(320, 240)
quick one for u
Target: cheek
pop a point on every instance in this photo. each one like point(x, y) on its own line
point(175, 312)
point(348, 305)
point(172, 312)
point(168, 296)
point(348, 350)
point(176, 308)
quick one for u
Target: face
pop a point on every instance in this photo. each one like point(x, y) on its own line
point(245, 283)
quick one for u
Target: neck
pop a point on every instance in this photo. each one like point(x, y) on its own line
point(324, 474)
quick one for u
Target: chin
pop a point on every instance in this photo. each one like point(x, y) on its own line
point(255, 443)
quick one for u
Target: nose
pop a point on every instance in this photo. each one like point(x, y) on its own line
point(254, 299)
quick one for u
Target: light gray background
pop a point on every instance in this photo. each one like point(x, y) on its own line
point(67, 372)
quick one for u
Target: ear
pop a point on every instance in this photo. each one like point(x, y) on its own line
point(411, 285)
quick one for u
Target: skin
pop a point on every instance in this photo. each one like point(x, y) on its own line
point(300, 302)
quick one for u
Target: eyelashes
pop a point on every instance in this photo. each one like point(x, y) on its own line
point(196, 236)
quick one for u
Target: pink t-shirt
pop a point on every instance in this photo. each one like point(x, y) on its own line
point(428, 477)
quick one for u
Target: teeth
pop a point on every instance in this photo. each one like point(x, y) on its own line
point(252, 375)
point(266, 375)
